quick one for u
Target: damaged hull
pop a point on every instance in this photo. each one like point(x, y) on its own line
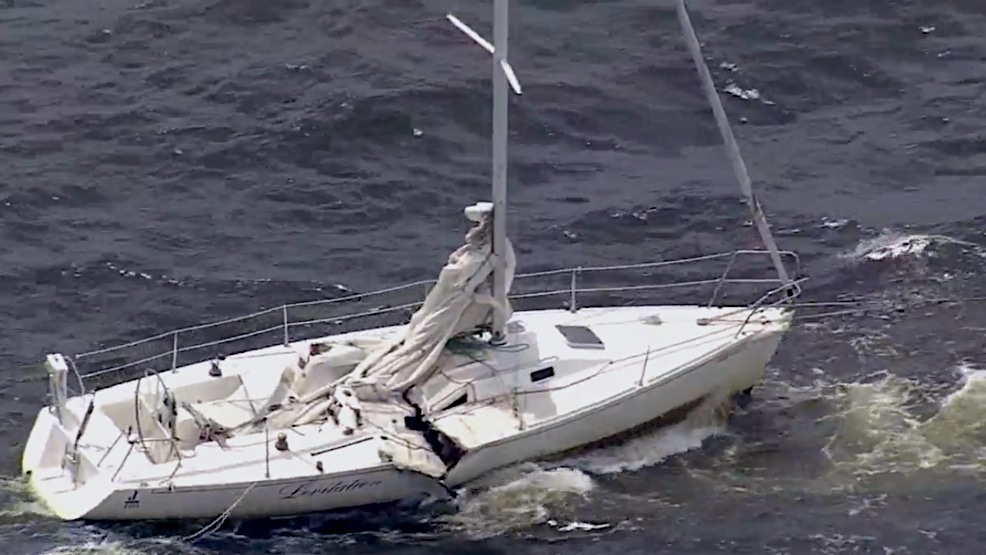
point(484, 411)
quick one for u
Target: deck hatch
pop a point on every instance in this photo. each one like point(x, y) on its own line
point(542, 374)
point(581, 337)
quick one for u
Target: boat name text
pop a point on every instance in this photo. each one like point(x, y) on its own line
point(312, 489)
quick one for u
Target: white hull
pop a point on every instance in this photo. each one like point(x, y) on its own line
point(128, 498)
point(106, 500)
point(594, 394)
point(733, 369)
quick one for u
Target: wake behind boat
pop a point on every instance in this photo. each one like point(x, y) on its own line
point(381, 414)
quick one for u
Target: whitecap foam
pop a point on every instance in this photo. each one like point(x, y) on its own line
point(879, 431)
point(959, 426)
point(876, 431)
point(892, 245)
point(93, 548)
point(107, 546)
point(577, 526)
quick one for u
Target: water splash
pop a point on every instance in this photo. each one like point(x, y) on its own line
point(19, 503)
point(867, 438)
point(653, 448)
point(524, 495)
point(533, 494)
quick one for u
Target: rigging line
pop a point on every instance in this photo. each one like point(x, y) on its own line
point(219, 520)
point(894, 305)
point(873, 305)
point(732, 148)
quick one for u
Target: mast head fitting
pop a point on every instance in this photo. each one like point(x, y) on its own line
point(479, 211)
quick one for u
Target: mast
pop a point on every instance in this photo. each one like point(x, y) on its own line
point(500, 107)
point(732, 149)
point(503, 75)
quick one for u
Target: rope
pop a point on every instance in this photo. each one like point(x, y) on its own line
point(219, 520)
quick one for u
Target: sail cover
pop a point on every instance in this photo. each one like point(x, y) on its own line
point(461, 301)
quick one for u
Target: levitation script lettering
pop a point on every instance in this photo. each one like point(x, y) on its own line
point(312, 489)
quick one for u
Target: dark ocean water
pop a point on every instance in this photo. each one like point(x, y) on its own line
point(168, 162)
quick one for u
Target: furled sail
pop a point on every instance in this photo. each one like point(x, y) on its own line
point(460, 302)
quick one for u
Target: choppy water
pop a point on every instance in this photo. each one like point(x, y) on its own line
point(173, 161)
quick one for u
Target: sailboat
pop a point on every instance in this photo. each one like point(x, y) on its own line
point(379, 414)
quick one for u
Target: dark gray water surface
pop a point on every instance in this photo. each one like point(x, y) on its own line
point(168, 162)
